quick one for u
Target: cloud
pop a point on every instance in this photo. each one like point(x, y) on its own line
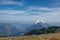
point(14, 3)
point(11, 2)
point(45, 8)
point(11, 12)
point(30, 8)
point(53, 16)
point(34, 10)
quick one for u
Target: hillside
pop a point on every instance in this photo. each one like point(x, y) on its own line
point(53, 36)
point(45, 30)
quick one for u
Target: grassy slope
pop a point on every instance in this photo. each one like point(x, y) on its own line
point(53, 36)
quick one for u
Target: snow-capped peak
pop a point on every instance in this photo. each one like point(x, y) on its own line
point(40, 20)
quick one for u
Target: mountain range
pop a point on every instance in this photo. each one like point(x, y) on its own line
point(17, 29)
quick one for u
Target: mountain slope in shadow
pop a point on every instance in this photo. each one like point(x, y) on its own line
point(45, 30)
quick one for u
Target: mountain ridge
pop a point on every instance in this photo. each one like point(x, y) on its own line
point(45, 30)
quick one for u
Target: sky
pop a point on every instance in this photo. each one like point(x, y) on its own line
point(16, 10)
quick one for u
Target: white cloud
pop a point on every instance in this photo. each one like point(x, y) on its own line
point(12, 2)
point(53, 16)
point(9, 3)
point(30, 8)
point(12, 12)
point(45, 8)
point(16, 3)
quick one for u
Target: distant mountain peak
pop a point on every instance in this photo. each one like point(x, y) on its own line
point(41, 20)
point(40, 23)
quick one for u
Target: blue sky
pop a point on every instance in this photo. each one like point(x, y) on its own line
point(16, 10)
